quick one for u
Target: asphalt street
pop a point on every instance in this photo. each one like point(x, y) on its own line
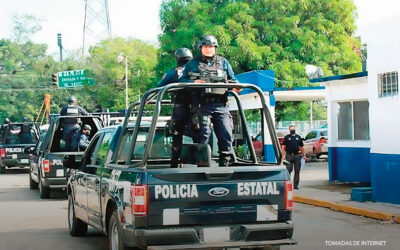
point(28, 222)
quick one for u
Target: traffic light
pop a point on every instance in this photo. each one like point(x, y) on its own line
point(54, 79)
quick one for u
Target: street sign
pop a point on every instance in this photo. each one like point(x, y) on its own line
point(73, 79)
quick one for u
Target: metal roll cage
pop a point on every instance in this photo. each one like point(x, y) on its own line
point(150, 95)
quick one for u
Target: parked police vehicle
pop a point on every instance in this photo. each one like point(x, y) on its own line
point(124, 186)
point(46, 171)
point(16, 141)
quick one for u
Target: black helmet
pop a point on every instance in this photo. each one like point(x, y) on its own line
point(86, 127)
point(6, 121)
point(25, 119)
point(208, 40)
point(71, 99)
point(183, 55)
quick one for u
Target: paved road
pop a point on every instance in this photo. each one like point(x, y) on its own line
point(27, 222)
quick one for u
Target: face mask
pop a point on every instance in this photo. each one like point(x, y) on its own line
point(292, 131)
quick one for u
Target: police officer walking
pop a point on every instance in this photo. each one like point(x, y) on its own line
point(213, 105)
point(181, 112)
point(71, 109)
point(293, 151)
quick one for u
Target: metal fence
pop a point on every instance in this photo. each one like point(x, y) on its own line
point(302, 127)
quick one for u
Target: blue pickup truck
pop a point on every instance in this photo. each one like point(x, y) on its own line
point(124, 187)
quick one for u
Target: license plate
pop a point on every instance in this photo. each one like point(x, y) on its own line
point(215, 234)
point(60, 172)
point(14, 156)
point(24, 161)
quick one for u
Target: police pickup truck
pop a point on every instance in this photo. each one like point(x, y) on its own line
point(17, 140)
point(46, 170)
point(124, 187)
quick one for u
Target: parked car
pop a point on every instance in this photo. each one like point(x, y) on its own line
point(258, 143)
point(316, 143)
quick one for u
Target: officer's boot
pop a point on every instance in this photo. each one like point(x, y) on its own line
point(224, 160)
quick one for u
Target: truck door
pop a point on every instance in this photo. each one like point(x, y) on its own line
point(95, 170)
point(81, 177)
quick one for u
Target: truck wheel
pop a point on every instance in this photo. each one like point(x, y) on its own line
point(32, 183)
point(115, 240)
point(43, 191)
point(2, 170)
point(76, 226)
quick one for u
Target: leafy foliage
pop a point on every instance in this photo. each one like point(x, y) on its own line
point(282, 35)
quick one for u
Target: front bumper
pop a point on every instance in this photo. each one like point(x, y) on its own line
point(60, 182)
point(253, 235)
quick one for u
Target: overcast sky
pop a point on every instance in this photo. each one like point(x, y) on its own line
point(131, 18)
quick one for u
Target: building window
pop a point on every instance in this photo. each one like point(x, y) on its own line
point(388, 84)
point(353, 120)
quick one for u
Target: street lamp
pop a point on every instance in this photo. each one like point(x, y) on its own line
point(120, 58)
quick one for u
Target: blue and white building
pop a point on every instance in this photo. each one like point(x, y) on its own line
point(383, 41)
point(364, 116)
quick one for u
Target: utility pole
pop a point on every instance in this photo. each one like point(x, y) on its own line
point(59, 42)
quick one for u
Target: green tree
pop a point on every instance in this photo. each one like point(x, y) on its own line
point(282, 35)
point(110, 76)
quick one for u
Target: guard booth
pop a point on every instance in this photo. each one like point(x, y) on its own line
point(348, 127)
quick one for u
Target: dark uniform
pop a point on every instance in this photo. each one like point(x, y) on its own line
point(83, 142)
point(293, 155)
point(214, 106)
point(68, 123)
point(181, 112)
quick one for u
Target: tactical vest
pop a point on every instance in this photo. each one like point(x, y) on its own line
point(213, 70)
point(72, 110)
point(179, 71)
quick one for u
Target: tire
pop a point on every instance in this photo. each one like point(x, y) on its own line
point(44, 192)
point(115, 239)
point(2, 170)
point(76, 226)
point(314, 157)
point(32, 184)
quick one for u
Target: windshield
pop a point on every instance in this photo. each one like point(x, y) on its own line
point(21, 134)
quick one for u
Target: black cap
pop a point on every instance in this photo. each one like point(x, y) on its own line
point(209, 41)
point(71, 99)
point(183, 55)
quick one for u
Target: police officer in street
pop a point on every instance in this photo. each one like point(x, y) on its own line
point(71, 109)
point(181, 112)
point(293, 151)
point(213, 105)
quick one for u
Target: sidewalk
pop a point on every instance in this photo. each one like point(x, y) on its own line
point(315, 189)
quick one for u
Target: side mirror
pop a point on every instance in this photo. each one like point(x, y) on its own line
point(285, 162)
point(70, 162)
point(253, 138)
point(303, 139)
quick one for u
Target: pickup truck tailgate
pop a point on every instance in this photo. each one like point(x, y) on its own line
point(215, 196)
